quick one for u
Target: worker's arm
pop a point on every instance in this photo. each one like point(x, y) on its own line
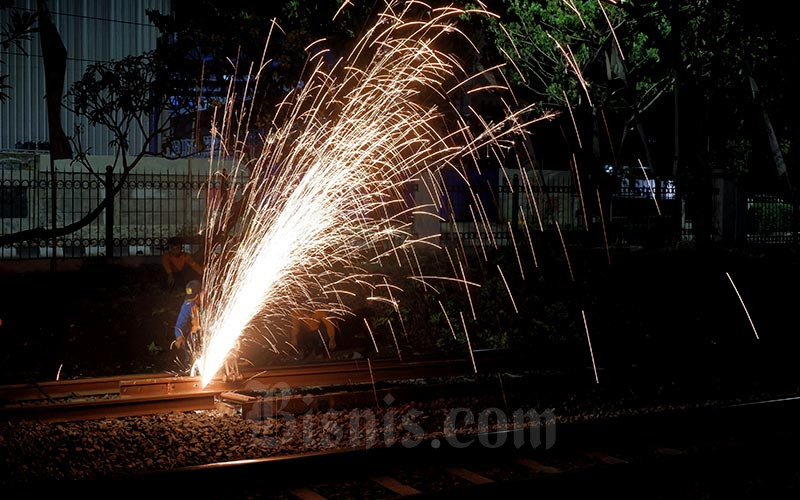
point(167, 263)
point(197, 267)
point(184, 324)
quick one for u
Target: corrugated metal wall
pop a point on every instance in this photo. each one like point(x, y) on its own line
point(92, 30)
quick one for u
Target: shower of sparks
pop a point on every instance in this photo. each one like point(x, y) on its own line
point(603, 224)
point(647, 180)
point(743, 306)
point(326, 194)
point(589, 339)
point(469, 344)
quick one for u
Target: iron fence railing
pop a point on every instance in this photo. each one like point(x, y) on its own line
point(633, 213)
point(148, 209)
point(487, 214)
point(154, 206)
point(771, 219)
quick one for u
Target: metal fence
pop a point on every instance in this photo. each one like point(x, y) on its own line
point(771, 220)
point(493, 214)
point(635, 212)
point(149, 208)
point(153, 206)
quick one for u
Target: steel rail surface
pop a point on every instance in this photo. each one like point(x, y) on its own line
point(147, 394)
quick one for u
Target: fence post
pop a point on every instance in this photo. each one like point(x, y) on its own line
point(109, 212)
point(53, 211)
point(795, 216)
point(515, 203)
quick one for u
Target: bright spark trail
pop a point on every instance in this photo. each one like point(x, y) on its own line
point(591, 351)
point(752, 325)
point(327, 191)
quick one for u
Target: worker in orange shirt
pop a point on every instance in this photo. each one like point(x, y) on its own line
point(179, 265)
point(307, 329)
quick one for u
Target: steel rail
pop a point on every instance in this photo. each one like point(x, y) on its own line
point(350, 371)
point(109, 408)
point(57, 389)
point(162, 393)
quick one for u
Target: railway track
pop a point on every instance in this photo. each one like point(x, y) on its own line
point(731, 448)
point(701, 452)
point(131, 395)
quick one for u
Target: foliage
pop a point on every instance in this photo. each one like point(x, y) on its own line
point(153, 348)
point(199, 42)
point(543, 33)
point(770, 217)
point(122, 95)
point(433, 318)
point(20, 26)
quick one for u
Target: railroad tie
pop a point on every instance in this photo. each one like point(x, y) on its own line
point(537, 466)
point(306, 494)
point(472, 477)
point(394, 485)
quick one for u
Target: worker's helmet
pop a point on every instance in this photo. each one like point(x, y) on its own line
point(192, 289)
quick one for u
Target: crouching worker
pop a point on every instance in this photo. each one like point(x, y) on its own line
point(179, 265)
point(309, 327)
point(188, 327)
point(188, 323)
